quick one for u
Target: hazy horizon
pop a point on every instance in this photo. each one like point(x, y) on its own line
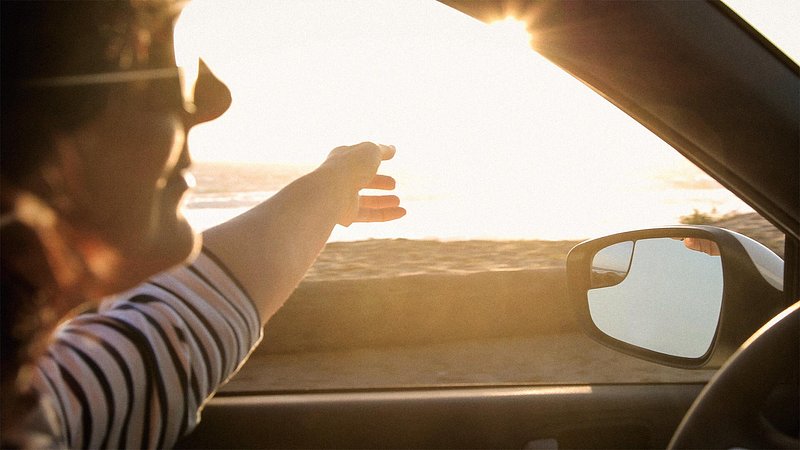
point(226, 189)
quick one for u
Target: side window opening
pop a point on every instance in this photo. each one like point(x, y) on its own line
point(504, 163)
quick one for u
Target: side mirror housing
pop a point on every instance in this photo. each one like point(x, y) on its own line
point(685, 296)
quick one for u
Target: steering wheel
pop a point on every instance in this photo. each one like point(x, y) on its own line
point(727, 414)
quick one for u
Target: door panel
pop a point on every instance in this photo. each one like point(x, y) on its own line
point(581, 416)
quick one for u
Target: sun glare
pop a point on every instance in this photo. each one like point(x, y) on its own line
point(512, 33)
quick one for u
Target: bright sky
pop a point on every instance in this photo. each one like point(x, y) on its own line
point(474, 113)
point(776, 19)
point(416, 74)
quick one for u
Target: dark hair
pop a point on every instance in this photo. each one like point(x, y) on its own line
point(46, 39)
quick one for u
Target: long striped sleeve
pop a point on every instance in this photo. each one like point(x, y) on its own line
point(136, 373)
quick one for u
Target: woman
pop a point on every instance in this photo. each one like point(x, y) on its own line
point(94, 166)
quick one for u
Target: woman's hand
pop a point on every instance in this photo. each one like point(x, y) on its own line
point(269, 248)
point(354, 168)
point(701, 245)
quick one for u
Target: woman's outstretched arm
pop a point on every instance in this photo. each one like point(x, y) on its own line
point(270, 248)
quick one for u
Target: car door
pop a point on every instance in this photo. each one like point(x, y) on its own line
point(424, 357)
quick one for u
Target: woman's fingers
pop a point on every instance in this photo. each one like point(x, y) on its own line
point(382, 182)
point(379, 208)
point(379, 214)
point(387, 151)
point(359, 163)
point(702, 245)
point(379, 201)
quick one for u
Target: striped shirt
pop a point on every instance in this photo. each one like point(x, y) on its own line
point(136, 373)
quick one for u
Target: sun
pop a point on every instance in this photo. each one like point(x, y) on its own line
point(511, 33)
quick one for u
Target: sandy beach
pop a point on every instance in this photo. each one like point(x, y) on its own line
point(386, 258)
point(398, 313)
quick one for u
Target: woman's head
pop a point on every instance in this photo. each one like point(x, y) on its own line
point(94, 130)
point(94, 160)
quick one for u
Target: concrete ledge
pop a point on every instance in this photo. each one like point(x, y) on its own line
point(420, 309)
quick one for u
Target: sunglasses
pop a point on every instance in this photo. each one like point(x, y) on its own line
point(161, 89)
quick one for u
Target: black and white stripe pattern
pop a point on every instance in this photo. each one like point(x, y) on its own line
point(137, 373)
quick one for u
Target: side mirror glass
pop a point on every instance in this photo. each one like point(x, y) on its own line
point(681, 296)
point(661, 294)
point(610, 265)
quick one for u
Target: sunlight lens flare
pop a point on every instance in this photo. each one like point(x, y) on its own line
point(513, 34)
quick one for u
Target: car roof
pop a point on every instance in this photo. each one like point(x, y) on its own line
point(693, 73)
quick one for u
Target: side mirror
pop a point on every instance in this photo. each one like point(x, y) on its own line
point(683, 296)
